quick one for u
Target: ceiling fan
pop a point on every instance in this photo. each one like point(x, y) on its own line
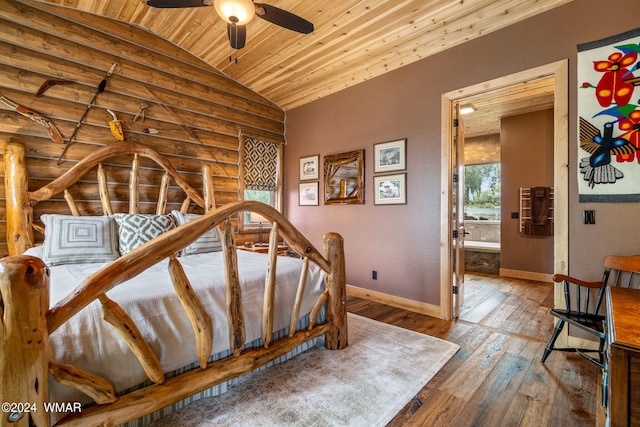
point(237, 13)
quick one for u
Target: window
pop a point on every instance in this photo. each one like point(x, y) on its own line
point(261, 176)
point(263, 196)
point(482, 192)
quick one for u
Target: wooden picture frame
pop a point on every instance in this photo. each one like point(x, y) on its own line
point(308, 193)
point(344, 178)
point(390, 156)
point(309, 168)
point(390, 189)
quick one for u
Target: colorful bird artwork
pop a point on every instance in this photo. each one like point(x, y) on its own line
point(597, 168)
point(609, 119)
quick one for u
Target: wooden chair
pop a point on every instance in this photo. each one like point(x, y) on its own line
point(583, 309)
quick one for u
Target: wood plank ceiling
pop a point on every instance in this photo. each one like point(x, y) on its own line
point(353, 41)
point(517, 99)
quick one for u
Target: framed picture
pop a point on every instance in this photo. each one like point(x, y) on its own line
point(390, 189)
point(309, 167)
point(344, 178)
point(308, 193)
point(390, 156)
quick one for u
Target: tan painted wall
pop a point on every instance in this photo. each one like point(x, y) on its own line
point(402, 242)
point(527, 161)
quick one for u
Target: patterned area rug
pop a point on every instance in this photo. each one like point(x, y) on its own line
point(366, 384)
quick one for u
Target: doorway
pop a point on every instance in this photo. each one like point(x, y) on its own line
point(558, 71)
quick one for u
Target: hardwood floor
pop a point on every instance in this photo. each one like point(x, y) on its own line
point(496, 378)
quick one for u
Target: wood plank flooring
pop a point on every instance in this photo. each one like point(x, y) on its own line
point(496, 378)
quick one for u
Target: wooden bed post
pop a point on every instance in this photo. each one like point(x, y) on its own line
point(335, 283)
point(207, 189)
point(19, 212)
point(24, 363)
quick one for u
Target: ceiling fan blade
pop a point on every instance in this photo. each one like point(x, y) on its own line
point(179, 3)
point(283, 18)
point(237, 35)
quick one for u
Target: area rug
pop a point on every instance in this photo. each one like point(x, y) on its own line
point(366, 384)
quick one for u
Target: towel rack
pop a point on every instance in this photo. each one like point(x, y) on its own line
point(525, 206)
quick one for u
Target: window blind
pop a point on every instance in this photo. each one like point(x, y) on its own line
point(261, 165)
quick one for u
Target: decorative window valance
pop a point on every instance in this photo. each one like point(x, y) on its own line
point(261, 165)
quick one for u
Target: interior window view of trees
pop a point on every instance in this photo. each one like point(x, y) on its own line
point(482, 192)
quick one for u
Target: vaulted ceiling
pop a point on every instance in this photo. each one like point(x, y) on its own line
point(353, 40)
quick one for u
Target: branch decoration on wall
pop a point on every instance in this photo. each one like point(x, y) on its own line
point(344, 177)
point(609, 119)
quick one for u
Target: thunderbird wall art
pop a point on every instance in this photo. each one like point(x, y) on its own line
point(609, 119)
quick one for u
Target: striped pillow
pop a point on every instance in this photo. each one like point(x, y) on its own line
point(208, 242)
point(79, 239)
point(137, 229)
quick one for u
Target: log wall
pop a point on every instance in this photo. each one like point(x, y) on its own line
point(40, 42)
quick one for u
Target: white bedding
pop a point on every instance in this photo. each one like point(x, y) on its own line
point(90, 343)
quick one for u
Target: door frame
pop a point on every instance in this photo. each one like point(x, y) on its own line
point(559, 71)
point(457, 219)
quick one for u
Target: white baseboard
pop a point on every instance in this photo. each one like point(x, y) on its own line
point(394, 301)
point(526, 275)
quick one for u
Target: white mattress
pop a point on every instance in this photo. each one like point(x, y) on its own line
point(90, 343)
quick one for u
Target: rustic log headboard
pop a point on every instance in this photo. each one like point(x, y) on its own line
point(20, 201)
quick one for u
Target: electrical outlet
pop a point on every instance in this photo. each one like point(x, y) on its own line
point(514, 215)
point(374, 275)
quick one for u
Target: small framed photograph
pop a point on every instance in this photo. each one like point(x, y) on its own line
point(309, 167)
point(308, 193)
point(390, 156)
point(390, 189)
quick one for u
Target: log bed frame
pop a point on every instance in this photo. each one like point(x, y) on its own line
point(26, 319)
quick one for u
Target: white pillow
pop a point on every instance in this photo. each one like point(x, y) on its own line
point(136, 229)
point(79, 239)
point(35, 251)
point(208, 242)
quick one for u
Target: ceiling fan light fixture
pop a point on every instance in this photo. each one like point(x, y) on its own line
point(237, 12)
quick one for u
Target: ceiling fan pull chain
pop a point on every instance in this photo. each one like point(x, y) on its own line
point(234, 35)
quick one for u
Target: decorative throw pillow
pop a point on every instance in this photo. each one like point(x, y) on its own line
point(208, 242)
point(79, 239)
point(136, 229)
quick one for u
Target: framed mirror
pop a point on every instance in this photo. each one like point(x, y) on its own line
point(343, 178)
